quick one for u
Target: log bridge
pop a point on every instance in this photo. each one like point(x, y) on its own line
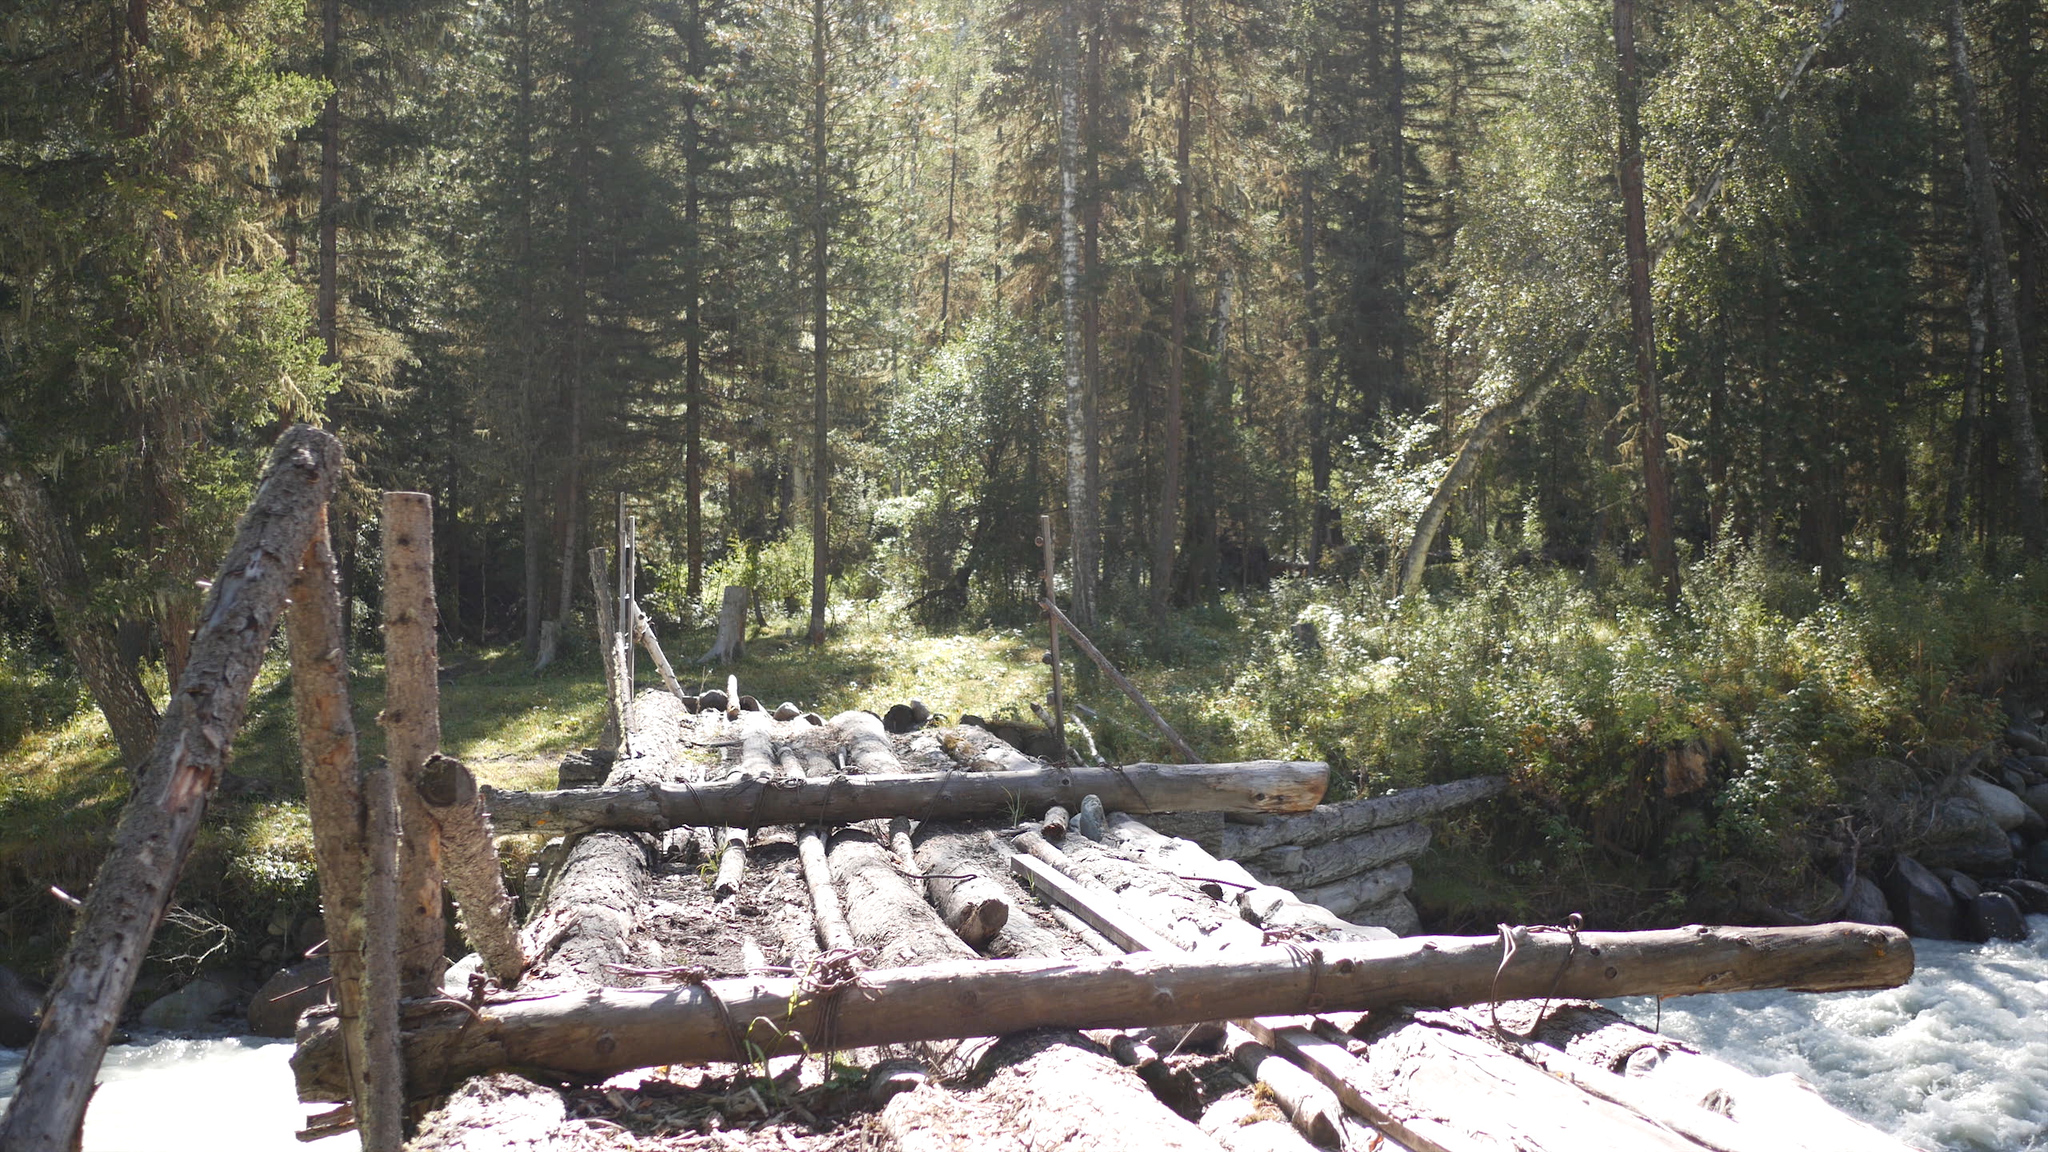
point(743, 890)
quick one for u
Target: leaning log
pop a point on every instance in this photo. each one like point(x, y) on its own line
point(601, 1032)
point(469, 863)
point(1331, 821)
point(133, 888)
point(1254, 786)
point(1298, 867)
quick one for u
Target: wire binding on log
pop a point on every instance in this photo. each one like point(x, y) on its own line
point(1507, 953)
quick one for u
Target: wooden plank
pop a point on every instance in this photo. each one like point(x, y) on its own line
point(1101, 910)
point(1252, 786)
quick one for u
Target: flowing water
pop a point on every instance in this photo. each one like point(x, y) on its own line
point(231, 1094)
point(1955, 1061)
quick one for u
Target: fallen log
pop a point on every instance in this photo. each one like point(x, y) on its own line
point(888, 917)
point(958, 866)
point(1099, 909)
point(1254, 786)
point(1243, 1123)
point(976, 749)
point(1332, 821)
point(469, 864)
point(833, 932)
point(645, 632)
point(732, 862)
point(1313, 1109)
point(1272, 908)
point(866, 742)
point(600, 1032)
point(1297, 867)
point(1366, 890)
point(132, 890)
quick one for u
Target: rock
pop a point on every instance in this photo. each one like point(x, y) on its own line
point(903, 718)
point(1921, 904)
point(1960, 886)
point(2038, 765)
point(2037, 799)
point(1865, 904)
point(749, 704)
point(21, 1001)
point(2006, 810)
point(2031, 895)
point(1994, 916)
point(191, 1008)
point(2026, 738)
point(812, 718)
point(275, 1008)
point(1963, 835)
point(2035, 861)
point(585, 769)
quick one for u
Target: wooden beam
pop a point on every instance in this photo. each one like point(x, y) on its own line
point(1253, 786)
point(471, 867)
point(603, 1031)
point(411, 720)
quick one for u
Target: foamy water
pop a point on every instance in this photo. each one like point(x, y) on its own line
point(173, 1095)
point(1957, 1059)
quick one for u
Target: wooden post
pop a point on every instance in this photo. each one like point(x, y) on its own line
point(1186, 750)
point(383, 1095)
point(412, 732)
point(334, 803)
point(1052, 631)
point(474, 875)
point(607, 639)
point(133, 889)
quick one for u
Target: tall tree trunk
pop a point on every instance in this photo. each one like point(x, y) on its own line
point(1323, 526)
point(2004, 311)
point(1167, 526)
point(821, 234)
point(330, 179)
point(1649, 408)
point(60, 572)
point(1088, 549)
point(532, 593)
point(693, 320)
point(1080, 497)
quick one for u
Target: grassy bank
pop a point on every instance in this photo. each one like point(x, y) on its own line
point(1667, 764)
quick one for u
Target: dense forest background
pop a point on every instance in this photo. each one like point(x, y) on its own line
point(1638, 398)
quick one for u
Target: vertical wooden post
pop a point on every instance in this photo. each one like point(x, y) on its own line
point(621, 652)
point(334, 801)
point(380, 1109)
point(1052, 628)
point(412, 732)
point(607, 642)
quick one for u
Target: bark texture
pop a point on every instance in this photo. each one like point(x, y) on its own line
point(1331, 821)
point(469, 861)
point(412, 732)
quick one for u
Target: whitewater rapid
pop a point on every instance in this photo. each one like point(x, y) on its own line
point(1954, 1061)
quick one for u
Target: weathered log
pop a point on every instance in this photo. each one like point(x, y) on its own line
point(1332, 821)
point(1254, 786)
point(957, 864)
point(600, 1032)
point(334, 805)
point(732, 862)
point(1365, 890)
point(732, 628)
point(1242, 1123)
point(866, 744)
point(607, 629)
point(888, 916)
point(380, 1110)
point(1191, 913)
point(1098, 908)
point(1177, 1088)
point(1181, 746)
point(411, 720)
point(833, 932)
point(1313, 1109)
point(1271, 908)
point(471, 867)
point(1296, 867)
point(1047, 1090)
point(645, 632)
point(1054, 826)
point(978, 750)
point(133, 888)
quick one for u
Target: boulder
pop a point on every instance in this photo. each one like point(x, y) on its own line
point(2026, 738)
point(1994, 916)
point(1865, 903)
point(2037, 799)
point(1960, 886)
point(2006, 810)
point(2031, 895)
point(191, 1008)
point(1921, 904)
point(21, 1001)
point(1961, 834)
point(276, 1007)
point(2035, 861)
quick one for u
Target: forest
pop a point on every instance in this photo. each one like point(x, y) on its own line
point(1635, 398)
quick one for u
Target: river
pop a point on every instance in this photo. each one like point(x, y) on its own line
point(1955, 1061)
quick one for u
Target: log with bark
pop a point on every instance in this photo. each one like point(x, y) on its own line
point(411, 719)
point(960, 869)
point(888, 916)
point(976, 749)
point(470, 865)
point(600, 1032)
point(865, 744)
point(1254, 786)
point(1337, 821)
point(1297, 867)
point(133, 889)
point(830, 917)
point(1313, 1109)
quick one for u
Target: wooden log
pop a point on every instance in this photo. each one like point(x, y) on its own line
point(606, 630)
point(1297, 867)
point(1365, 890)
point(601, 1032)
point(381, 1107)
point(732, 862)
point(1271, 908)
point(645, 632)
point(1101, 910)
point(1186, 750)
point(470, 865)
point(334, 805)
point(1242, 1123)
point(1255, 786)
point(959, 869)
point(887, 915)
point(866, 744)
point(591, 902)
point(732, 628)
point(1333, 821)
point(1313, 1109)
point(1174, 1087)
point(1044, 1090)
point(1054, 826)
point(977, 749)
point(411, 720)
point(833, 932)
point(133, 888)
